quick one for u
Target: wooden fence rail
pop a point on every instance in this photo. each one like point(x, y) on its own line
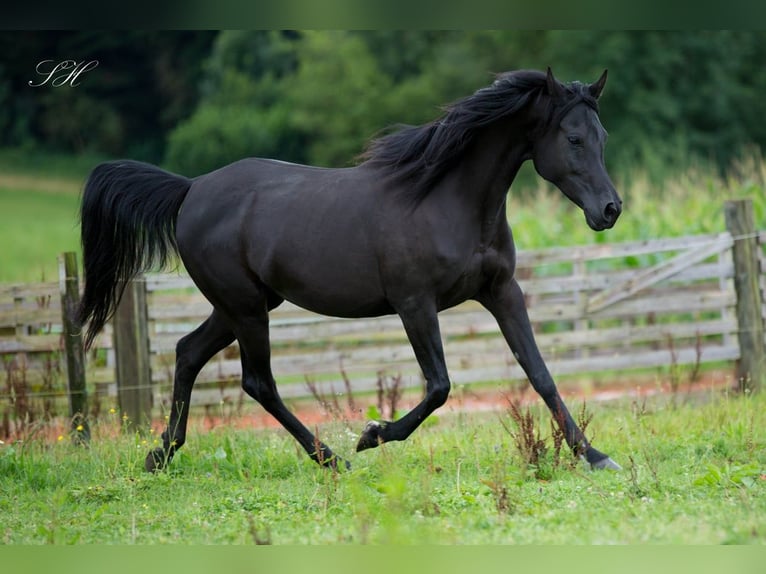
point(596, 309)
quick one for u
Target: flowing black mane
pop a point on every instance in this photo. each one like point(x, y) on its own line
point(420, 155)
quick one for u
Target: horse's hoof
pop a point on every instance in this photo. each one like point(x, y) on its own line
point(327, 459)
point(605, 464)
point(370, 436)
point(156, 460)
point(338, 464)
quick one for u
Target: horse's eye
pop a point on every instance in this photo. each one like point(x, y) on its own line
point(575, 140)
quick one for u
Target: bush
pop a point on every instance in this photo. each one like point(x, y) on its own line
point(216, 135)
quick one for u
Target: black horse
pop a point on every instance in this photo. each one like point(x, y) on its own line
point(418, 226)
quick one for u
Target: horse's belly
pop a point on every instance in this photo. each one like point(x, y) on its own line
point(345, 308)
point(336, 286)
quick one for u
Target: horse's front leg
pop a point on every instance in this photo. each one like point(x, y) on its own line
point(421, 323)
point(505, 300)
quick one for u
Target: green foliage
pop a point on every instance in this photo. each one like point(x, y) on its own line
point(373, 413)
point(243, 112)
point(674, 98)
point(337, 96)
point(746, 475)
point(254, 53)
point(218, 135)
point(81, 122)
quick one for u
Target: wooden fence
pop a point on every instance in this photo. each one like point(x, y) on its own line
point(597, 308)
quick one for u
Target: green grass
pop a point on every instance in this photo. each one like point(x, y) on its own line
point(47, 166)
point(36, 227)
point(692, 475)
point(39, 202)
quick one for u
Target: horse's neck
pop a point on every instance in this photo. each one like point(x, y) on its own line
point(488, 168)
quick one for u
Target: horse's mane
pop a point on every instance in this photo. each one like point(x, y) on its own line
point(420, 155)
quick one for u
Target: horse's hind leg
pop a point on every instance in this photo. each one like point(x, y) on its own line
point(192, 352)
point(505, 301)
point(252, 331)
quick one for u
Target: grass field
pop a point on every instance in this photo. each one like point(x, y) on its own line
point(693, 474)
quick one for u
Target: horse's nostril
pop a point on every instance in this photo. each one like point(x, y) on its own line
point(611, 211)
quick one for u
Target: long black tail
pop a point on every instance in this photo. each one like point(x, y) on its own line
point(128, 217)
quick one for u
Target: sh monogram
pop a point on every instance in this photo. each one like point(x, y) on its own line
point(64, 73)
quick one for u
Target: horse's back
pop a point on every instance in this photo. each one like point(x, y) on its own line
point(306, 233)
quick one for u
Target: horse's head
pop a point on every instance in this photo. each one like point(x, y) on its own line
point(569, 151)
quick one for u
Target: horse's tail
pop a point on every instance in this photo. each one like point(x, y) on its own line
point(128, 217)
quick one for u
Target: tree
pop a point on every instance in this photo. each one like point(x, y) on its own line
point(245, 109)
point(338, 96)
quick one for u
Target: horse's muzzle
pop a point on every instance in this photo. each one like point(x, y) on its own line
point(606, 218)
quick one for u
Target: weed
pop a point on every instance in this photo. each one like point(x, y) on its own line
point(635, 490)
point(347, 385)
point(558, 436)
point(261, 536)
point(331, 405)
point(498, 485)
point(675, 372)
point(540, 460)
point(50, 375)
point(639, 409)
point(500, 496)
point(389, 392)
point(653, 465)
point(328, 473)
point(731, 475)
point(584, 418)
point(19, 414)
point(525, 434)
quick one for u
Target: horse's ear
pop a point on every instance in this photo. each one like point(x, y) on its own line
point(596, 88)
point(555, 89)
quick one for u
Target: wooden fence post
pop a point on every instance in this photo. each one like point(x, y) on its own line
point(751, 368)
point(73, 346)
point(131, 347)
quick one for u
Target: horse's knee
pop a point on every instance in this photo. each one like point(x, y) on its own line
point(251, 387)
point(438, 395)
point(258, 389)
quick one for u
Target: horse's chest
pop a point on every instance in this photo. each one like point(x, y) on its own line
point(461, 281)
